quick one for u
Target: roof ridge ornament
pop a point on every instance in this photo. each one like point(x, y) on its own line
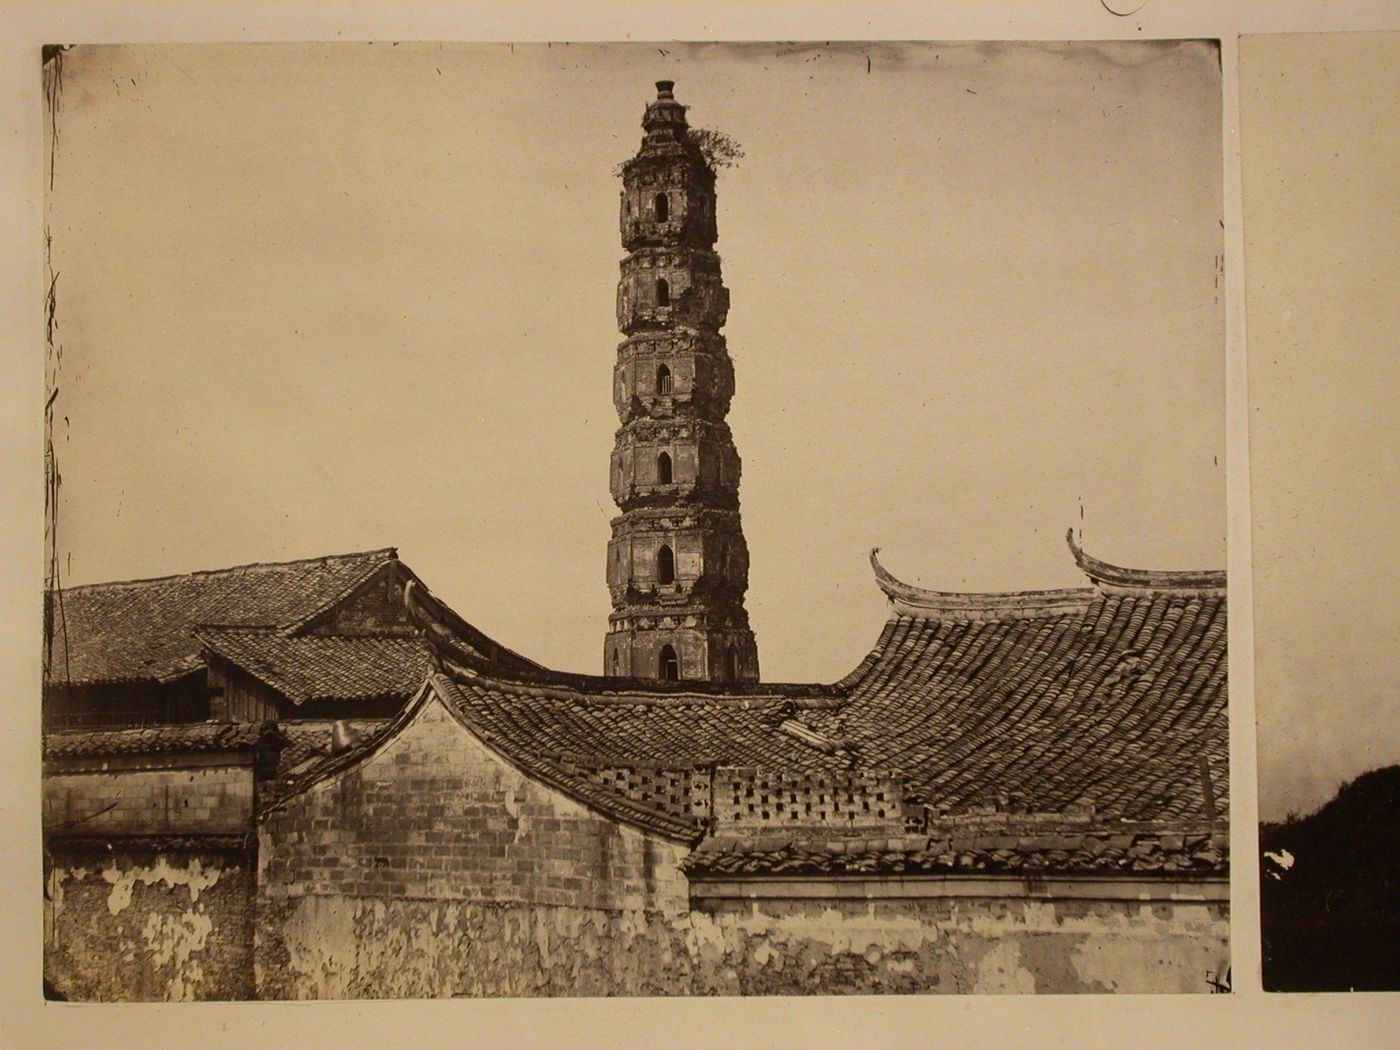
point(923, 603)
point(1114, 579)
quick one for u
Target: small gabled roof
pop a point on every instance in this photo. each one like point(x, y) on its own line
point(144, 630)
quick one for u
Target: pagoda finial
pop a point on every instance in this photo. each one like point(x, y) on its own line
point(665, 117)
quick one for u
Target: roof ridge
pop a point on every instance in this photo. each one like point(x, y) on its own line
point(1001, 605)
point(562, 685)
point(430, 614)
point(977, 605)
point(192, 736)
point(386, 552)
point(441, 636)
point(270, 631)
point(1116, 579)
point(537, 766)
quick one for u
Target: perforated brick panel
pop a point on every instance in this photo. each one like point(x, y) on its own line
point(749, 797)
point(680, 792)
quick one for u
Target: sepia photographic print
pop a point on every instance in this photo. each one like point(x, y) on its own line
point(635, 520)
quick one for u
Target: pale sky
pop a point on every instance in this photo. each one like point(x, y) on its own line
point(1320, 115)
point(324, 298)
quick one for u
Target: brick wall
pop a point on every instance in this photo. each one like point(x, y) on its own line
point(434, 869)
point(184, 797)
point(434, 816)
point(139, 922)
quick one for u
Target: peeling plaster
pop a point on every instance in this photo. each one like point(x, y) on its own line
point(176, 938)
point(551, 899)
point(513, 806)
point(147, 925)
point(346, 946)
point(194, 878)
point(1001, 970)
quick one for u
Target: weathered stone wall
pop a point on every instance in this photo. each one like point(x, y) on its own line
point(148, 923)
point(435, 869)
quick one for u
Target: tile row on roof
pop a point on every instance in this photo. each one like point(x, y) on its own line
point(1199, 851)
point(149, 740)
point(310, 667)
point(1114, 702)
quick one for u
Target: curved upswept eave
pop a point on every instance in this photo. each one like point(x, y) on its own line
point(997, 605)
point(1104, 693)
point(1114, 579)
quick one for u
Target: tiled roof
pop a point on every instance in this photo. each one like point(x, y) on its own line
point(1111, 698)
point(151, 740)
point(1118, 704)
point(1201, 850)
point(673, 731)
point(571, 741)
point(323, 667)
point(144, 629)
point(310, 739)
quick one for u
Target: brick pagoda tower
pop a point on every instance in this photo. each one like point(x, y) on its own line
point(677, 563)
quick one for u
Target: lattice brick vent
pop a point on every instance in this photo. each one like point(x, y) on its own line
point(837, 800)
point(680, 792)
